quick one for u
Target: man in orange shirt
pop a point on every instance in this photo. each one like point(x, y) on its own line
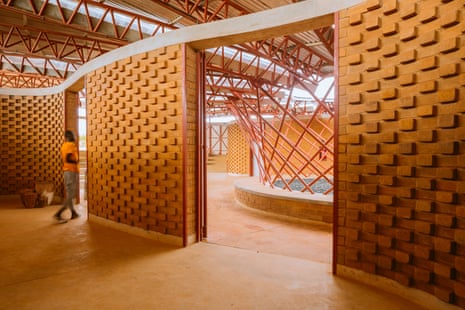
point(70, 157)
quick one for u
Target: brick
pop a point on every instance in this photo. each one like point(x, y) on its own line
point(371, 127)
point(426, 160)
point(406, 213)
point(354, 119)
point(450, 18)
point(387, 180)
point(387, 159)
point(449, 70)
point(386, 200)
point(355, 59)
point(448, 95)
point(389, 94)
point(403, 257)
point(406, 171)
point(373, 64)
point(372, 5)
point(426, 135)
point(443, 270)
point(425, 183)
point(355, 38)
point(354, 79)
point(446, 173)
point(443, 245)
point(407, 34)
point(424, 252)
point(428, 15)
point(407, 148)
point(385, 241)
point(390, 29)
point(404, 234)
point(371, 148)
point(426, 111)
point(423, 275)
point(369, 247)
point(372, 22)
point(370, 188)
point(390, 7)
point(429, 63)
point(427, 87)
point(355, 98)
point(424, 227)
point(459, 236)
point(372, 107)
point(408, 56)
point(372, 86)
point(449, 148)
point(389, 115)
point(355, 19)
point(407, 79)
point(388, 137)
point(408, 10)
point(369, 227)
point(446, 197)
point(390, 51)
point(385, 262)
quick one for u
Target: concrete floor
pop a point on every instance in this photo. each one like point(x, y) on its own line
point(232, 224)
point(82, 265)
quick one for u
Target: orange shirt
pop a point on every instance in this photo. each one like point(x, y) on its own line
point(67, 148)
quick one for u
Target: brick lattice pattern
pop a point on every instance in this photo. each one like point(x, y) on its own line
point(135, 140)
point(402, 143)
point(238, 157)
point(31, 137)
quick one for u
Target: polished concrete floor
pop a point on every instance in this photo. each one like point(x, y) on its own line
point(250, 265)
point(232, 224)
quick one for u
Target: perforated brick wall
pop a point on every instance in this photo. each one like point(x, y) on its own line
point(141, 111)
point(402, 143)
point(31, 137)
point(238, 157)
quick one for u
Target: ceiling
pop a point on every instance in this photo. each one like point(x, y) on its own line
point(44, 42)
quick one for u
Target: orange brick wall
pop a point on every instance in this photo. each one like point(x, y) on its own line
point(136, 131)
point(31, 137)
point(402, 143)
point(238, 157)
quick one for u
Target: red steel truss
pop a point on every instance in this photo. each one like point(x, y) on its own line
point(75, 33)
point(27, 81)
point(292, 140)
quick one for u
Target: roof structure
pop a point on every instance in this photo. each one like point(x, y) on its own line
point(43, 42)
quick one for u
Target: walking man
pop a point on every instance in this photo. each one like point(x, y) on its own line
point(70, 157)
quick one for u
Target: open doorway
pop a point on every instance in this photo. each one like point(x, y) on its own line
point(230, 223)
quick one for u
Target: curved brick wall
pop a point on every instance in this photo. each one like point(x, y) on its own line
point(295, 205)
point(142, 142)
point(402, 144)
point(32, 130)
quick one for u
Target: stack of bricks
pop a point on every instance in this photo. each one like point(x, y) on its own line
point(402, 143)
point(137, 120)
point(31, 136)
